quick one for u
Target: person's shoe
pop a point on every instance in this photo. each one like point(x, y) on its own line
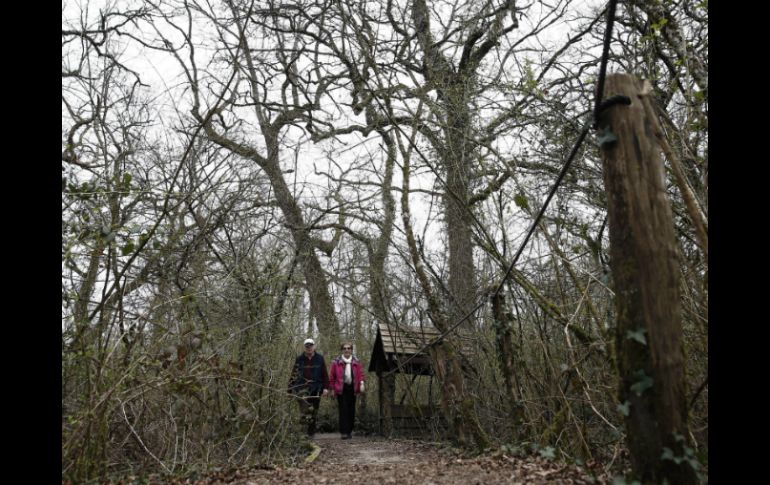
point(346, 436)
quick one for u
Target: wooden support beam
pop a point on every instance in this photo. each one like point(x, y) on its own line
point(645, 271)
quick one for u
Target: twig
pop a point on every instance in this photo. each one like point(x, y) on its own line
point(574, 363)
point(123, 408)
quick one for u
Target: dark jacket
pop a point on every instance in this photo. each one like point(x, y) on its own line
point(319, 376)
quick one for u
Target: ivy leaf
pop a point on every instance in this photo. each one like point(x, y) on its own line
point(606, 137)
point(107, 234)
point(128, 248)
point(548, 452)
point(637, 335)
point(667, 454)
point(699, 96)
point(625, 408)
point(643, 382)
point(659, 25)
point(521, 201)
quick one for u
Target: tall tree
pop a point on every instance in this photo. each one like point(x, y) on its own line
point(278, 96)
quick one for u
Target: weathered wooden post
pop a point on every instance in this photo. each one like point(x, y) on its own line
point(387, 398)
point(643, 254)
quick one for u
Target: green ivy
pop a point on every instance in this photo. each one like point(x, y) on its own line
point(548, 452)
point(657, 26)
point(521, 201)
point(637, 335)
point(128, 248)
point(642, 382)
point(625, 408)
point(688, 455)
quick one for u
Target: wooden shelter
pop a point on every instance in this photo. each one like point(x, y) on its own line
point(404, 350)
point(396, 348)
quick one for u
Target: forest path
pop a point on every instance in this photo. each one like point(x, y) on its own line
point(375, 460)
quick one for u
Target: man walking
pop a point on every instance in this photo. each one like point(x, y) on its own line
point(309, 379)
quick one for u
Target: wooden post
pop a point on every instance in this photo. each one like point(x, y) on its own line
point(387, 396)
point(380, 416)
point(645, 270)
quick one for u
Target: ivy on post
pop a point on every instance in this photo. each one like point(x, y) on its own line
point(645, 270)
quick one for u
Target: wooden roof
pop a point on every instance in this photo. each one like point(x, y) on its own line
point(399, 343)
point(406, 340)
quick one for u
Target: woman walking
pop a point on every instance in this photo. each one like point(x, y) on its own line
point(346, 379)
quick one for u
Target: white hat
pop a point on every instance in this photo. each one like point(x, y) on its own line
point(309, 341)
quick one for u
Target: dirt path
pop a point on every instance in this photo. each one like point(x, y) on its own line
point(374, 460)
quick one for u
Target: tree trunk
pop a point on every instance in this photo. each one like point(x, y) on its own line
point(457, 405)
point(321, 305)
point(506, 355)
point(456, 159)
point(646, 276)
point(378, 248)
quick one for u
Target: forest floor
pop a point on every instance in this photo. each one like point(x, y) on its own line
point(377, 460)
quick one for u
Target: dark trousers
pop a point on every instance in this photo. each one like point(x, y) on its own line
point(308, 411)
point(347, 407)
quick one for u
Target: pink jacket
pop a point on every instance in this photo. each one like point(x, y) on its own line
point(337, 375)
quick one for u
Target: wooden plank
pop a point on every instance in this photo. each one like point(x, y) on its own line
point(409, 340)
